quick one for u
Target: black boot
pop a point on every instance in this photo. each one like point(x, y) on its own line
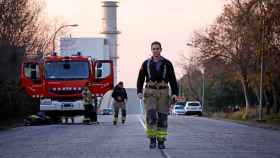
point(123, 120)
point(123, 116)
point(114, 122)
point(161, 144)
point(153, 142)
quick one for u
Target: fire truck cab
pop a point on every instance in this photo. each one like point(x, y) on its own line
point(58, 81)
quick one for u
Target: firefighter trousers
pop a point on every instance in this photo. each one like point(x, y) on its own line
point(156, 104)
point(90, 112)
point(117, 106)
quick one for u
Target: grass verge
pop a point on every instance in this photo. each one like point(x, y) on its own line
point(252, 117)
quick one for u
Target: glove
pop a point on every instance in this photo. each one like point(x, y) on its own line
point(140, 95)
point(174, 98)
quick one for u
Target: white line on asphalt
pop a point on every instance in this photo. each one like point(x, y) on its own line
point(163, 152)
point(142, 122)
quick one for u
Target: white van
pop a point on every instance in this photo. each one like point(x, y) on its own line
point(179, 108)
point(193, 107)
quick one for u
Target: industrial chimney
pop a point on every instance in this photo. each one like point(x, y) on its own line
point(109, 29)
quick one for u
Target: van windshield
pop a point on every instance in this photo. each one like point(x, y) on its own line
point(194, 104)
point(179, 107)
point(181, 103)
point(67, 70)
point(108, 110)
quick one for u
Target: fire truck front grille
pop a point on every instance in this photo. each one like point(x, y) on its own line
point(66, 91)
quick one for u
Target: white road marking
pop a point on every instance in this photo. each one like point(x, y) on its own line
point(163, 152)
point(142, 122)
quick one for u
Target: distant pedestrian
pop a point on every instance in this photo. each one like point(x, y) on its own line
point(120, 98)
point(157, 72)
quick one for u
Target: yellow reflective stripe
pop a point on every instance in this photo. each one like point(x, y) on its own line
point(148, 69)
point(164, 72)
point(161, 134)
point(151, 132)
point(34, 116)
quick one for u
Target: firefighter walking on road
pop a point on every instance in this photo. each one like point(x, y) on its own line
point(120, 98)
point(157, 72)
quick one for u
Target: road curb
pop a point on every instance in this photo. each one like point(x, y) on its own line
point(251, 124)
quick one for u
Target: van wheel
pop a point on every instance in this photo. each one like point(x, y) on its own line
point(200, 114)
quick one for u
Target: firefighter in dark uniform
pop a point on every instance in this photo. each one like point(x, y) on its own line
point(157, 72)
point(120, 98)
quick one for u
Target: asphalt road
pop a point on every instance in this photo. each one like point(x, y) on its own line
point(189, 136)
point(192, 137)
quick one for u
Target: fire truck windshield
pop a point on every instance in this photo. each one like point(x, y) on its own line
point(67, 70)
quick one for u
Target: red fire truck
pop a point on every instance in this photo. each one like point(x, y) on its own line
point(58, 81)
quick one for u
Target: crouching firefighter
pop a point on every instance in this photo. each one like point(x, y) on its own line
point(157, 72)
point(120, 98)
point(38, 119)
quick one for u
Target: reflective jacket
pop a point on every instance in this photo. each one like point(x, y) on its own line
point(87, 96)
point(157, 72)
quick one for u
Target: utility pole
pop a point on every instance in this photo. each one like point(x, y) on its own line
point(202, 69)
point(261, 53)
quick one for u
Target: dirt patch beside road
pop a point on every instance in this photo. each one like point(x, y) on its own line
point(11, 123)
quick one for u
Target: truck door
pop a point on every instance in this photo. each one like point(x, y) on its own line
point(103, 76)
point(30, 78)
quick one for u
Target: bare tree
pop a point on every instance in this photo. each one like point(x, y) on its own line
point(23, 24)
point(231, 39)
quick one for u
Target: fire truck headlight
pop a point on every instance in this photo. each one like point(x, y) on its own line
point(53, 89)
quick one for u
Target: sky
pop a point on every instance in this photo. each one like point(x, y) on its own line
point(141, 22)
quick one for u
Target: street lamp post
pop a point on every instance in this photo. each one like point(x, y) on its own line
point(61, 27)
point(261, 53)
point(203, 85)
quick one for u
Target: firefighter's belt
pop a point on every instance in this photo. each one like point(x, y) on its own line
point(156, 87)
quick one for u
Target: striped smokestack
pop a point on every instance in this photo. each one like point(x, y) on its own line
point(109, 29)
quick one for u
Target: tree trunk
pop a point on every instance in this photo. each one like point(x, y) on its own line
point(245, 89)
point(267, 102)
point(192, 90)
point(275, 100)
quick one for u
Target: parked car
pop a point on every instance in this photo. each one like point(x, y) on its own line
point(107, 111)
point(193, 108)
point(178, 108)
